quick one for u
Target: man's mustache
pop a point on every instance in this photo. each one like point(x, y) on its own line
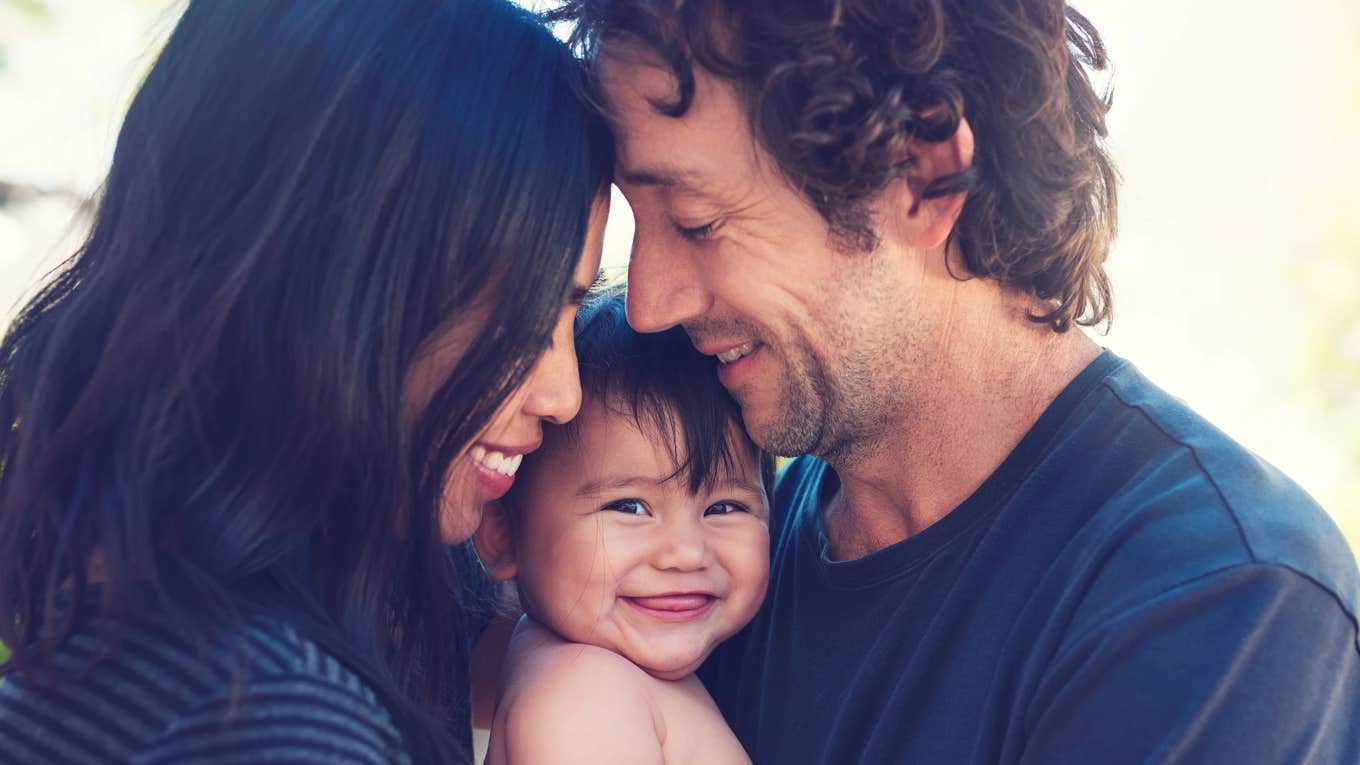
point(709, 331)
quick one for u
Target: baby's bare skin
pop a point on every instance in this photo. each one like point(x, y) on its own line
point(567, 702)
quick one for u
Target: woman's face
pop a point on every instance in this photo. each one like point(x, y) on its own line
point(485, 471)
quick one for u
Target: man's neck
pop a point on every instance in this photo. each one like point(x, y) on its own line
point(992, 377)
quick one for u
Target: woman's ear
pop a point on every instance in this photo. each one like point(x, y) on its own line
point(494, 541)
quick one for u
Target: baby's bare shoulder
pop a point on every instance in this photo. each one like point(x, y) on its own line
point(559, 667)
point(568, 703)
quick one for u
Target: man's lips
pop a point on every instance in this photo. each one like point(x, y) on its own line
point(727, 352)
point(674, 607)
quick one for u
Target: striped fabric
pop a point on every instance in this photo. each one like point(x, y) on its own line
point(159, 699)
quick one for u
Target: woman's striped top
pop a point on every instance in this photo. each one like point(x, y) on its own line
point(157, 697)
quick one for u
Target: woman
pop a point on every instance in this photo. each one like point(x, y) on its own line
point(325, 304)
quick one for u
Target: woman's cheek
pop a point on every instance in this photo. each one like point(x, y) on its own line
point(459, 512)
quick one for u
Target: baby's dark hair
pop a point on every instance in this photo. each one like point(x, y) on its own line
point(667, 387)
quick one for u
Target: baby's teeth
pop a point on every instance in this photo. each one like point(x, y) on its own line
point(493, 460)
point(478, 452)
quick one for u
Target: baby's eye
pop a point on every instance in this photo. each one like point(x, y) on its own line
point(723, 508)
point(627, 506)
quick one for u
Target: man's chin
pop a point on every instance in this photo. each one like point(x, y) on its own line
point(786, 430)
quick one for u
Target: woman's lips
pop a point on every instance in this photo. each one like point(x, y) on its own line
point(679, 607)
point(494, 484)
point(495, 469)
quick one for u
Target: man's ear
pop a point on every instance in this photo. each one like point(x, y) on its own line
point(494, 541)
point(926, 223)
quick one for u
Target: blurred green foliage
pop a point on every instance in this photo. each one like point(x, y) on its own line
point(36, 8)
point(33, 9)
point(1330, 377)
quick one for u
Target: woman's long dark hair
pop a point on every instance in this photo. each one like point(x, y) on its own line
point(208, 399)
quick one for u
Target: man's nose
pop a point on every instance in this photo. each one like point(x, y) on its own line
point(665, 287)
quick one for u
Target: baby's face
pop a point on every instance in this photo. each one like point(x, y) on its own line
point(612, 554)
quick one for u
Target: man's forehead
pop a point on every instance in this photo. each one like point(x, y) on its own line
point(689, 152)
point(634, 76)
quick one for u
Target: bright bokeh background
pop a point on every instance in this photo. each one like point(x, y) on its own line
point(1237, 271)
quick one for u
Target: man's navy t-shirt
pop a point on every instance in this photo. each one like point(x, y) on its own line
point(1128, 586)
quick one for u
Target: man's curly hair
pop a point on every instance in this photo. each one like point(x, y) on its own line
point(834, 89)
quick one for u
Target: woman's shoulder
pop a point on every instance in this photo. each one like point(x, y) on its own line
point(296, 700)
point(152, 693)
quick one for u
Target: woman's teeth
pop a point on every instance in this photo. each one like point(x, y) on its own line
point(727, 357)
point(496, 461)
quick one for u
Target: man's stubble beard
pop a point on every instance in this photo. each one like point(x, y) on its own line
point(843, 404)
point(799, 421)
point(835, 416)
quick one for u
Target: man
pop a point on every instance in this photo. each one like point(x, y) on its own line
point(883, 217)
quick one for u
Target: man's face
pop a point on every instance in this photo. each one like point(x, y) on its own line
point(813, 342)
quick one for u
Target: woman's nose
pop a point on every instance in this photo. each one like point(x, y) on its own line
point(555, 384)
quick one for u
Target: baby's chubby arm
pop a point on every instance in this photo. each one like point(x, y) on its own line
point(575, 703)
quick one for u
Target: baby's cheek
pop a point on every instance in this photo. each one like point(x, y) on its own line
point(574, 579)
point(751, 569)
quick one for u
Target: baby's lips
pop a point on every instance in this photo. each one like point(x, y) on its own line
point(679, 602)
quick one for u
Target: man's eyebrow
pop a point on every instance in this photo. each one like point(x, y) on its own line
point(662, 175)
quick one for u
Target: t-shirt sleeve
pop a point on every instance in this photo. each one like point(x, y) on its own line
point(286, 720)
point(1253, 663)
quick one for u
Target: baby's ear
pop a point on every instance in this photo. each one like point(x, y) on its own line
point(494, 542)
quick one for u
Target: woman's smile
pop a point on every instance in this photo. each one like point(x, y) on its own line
point(495, 468)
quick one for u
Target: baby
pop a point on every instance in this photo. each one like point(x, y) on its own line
point(638, 540)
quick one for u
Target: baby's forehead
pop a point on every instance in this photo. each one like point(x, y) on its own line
point(606, 422)
point(662, 421)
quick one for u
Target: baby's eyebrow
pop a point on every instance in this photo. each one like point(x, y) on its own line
point(612, 483)
point(740, 485)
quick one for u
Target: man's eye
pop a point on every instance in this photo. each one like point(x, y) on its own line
point(724, 508)
point(627, 506)
point(695, 233)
